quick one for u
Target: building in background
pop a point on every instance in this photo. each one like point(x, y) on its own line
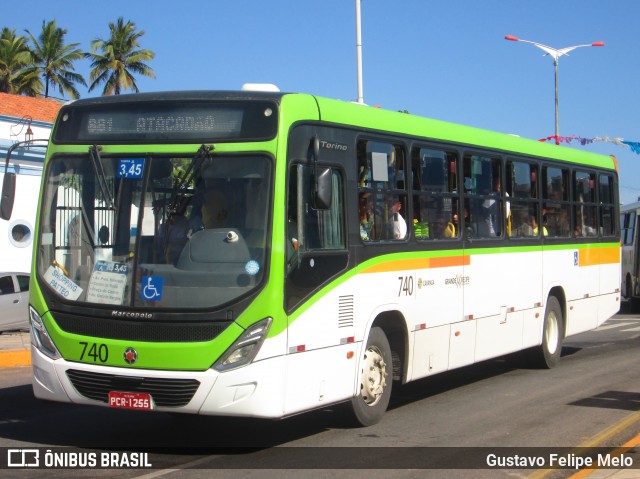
point(22, 118)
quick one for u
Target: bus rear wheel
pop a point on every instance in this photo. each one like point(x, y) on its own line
point(547, 355)
point(375, 380)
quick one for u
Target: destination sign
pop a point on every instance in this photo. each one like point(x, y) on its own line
point(163, 122)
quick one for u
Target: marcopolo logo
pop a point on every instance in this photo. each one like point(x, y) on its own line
point(130, 314)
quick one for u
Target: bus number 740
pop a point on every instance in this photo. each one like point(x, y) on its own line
point(406, 285)
point(99, 352)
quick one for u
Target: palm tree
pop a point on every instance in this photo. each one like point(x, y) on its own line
point(54, 60)
point(121, 57)
point(14, 57)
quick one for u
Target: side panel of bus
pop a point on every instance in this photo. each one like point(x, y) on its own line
point(442, 304)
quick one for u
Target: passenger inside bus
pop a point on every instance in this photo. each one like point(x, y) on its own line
point(442, 229)
point(398, 223)
point(534, 226)
point(521, 227)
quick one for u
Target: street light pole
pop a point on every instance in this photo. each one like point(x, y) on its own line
point(359, 51)
point(555, 54)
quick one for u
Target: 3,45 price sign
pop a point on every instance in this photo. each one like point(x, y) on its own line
point(130, 168)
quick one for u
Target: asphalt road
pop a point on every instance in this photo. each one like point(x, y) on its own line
point(591, 399)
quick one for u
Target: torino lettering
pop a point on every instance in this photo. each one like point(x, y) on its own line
point(332, 146)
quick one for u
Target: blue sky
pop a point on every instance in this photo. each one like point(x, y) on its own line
point(442, 59)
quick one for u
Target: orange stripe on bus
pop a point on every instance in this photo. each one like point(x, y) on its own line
point(596, 256)
point(419, 263)
point(447, 261)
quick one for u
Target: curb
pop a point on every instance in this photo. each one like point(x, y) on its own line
point(12, 359)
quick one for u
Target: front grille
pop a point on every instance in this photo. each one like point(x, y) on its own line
point(165, 392)
point(139, 330)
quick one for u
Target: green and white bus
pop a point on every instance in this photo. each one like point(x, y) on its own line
point(263, 254)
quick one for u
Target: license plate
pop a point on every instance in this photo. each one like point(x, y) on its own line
point(125, 400)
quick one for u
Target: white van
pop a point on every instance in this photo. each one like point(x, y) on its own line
point(14, 301)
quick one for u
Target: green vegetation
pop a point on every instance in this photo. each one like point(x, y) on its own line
point(36, 63)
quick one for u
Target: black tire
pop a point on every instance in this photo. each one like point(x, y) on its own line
point(547, 355)
point(375, 380)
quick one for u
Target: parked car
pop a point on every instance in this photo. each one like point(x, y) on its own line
point(14, 301)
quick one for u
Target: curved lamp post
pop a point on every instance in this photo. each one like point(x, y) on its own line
point(555, 54)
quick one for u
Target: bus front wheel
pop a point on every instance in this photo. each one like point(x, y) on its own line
point(375, 380)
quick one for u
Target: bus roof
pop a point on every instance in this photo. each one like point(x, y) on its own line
point(630, 207)
point(341, 112)
point(177, 95)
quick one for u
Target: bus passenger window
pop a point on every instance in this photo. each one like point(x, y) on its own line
point(584, 197)
point(607, 206)
point(483, 191)
point(521, 198)
point(556, 207)
point(435, 195)
point(382, 198)
point(628, 224)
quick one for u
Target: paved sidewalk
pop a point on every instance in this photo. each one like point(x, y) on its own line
point(15, 349)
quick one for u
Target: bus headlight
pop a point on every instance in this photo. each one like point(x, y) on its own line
point(245, 348)
point(40, 337)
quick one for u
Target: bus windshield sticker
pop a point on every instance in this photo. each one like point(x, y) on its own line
point(152, 288)
point(252, 267)
point(130, 168)
point(61, 284)
point(107, 283)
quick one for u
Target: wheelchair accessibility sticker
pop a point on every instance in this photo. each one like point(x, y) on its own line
point(152, 288)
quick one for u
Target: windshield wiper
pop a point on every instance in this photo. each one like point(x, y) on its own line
point(98, 169)
point(179, 198)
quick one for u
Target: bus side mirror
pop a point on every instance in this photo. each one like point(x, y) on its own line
point(8, 195)
point(323, 189)
point(9, 182)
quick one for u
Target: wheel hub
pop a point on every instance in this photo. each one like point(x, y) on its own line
point(373, 376)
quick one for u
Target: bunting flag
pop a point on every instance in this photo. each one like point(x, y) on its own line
point(634, 145)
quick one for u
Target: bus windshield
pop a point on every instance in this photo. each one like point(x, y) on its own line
point(154, 231)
